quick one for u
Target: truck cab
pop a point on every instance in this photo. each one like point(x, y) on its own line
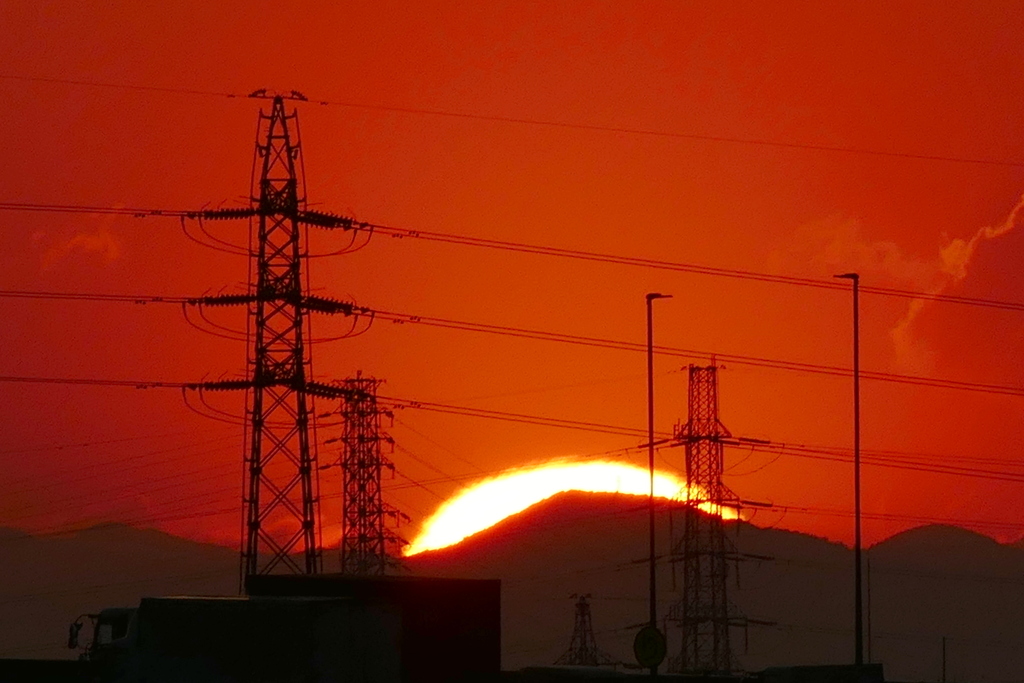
point(113, 639)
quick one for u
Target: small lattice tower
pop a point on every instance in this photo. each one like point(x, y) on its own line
point(365, 539)
point(704, 613)
point(583, 647)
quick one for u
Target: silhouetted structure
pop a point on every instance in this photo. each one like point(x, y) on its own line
point(704, 613)
point(583, 647)
point(450, 629)
point(281, 519)
point(294, 628)
point(365, 538)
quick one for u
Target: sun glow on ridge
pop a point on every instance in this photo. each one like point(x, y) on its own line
point(486, 503)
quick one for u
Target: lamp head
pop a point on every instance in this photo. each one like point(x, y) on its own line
point(657, 295)
point(848, 276)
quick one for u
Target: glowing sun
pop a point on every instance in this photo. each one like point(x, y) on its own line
point(485, 503)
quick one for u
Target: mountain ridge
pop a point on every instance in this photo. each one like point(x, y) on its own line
point(924, 583)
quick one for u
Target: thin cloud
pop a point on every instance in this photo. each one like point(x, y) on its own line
point(97, 244)
point(952, 267)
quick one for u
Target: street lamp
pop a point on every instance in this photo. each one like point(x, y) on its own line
point(858, 620)
point(650, 445)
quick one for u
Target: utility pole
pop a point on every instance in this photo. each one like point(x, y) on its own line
point(653, 621)
point(704, 613)
point(943, 659)
point(280, 499)
point(868, 568)
point(858, 619)
point(365, 538)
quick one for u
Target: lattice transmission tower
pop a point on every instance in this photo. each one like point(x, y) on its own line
point(366, 541)
point(704, 613)
point(583, 649)
point(280, 500)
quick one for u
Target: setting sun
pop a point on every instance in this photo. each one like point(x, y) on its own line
point(487, 502)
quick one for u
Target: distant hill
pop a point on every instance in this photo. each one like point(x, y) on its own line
point(48, 581)
point(925, 583)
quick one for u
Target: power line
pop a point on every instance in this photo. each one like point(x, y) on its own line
point(894, 517)
point(580, 340)
point(683, 267)
point(104, 210)
point(396, 402)
point(820, 453)
point(756, 361)
point(122, 467)
point(117, 86)
point(516, 417)
point(89, 444)
point(577, 254)
point(901, 464)
point(135, 384)
point(131, 490)
point(94, 296)
point(172, 515)
point(546, 123)
point(886, 459)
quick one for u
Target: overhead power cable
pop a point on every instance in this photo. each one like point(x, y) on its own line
point(893, 462)
point(104, 210)
point(515, 417)
point(683, 267)
point(580, 340)
point(395, 402)
point(887, 459)
point(577, 254)
point(93, 296)
point(96, 382)
point(546, 123)
point(1004, 525)
point(740, 359)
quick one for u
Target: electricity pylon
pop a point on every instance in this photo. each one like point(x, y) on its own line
point(365, 538)
point(583, 647)
point(281, 518)
point(704, 613)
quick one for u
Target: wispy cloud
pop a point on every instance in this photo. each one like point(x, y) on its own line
point(838, 245)
point(952, 266)
point(100, 244)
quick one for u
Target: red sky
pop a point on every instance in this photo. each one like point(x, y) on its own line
point(925, 78)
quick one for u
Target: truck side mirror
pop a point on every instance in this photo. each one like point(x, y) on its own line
point(73, 630)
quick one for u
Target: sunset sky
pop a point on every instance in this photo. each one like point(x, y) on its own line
point(935, 88)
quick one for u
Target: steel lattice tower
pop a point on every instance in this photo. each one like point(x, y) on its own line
point(583, 647)
point(365, 538)
point(704, 613)
point(280, 491)
point(281, 519)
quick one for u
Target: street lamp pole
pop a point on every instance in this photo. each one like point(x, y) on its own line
point(858, 621)
point(650, 447)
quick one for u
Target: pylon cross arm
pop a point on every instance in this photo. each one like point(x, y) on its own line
point(321, 219)
point(321, 304)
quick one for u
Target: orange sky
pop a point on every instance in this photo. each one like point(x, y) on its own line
point(916, 77)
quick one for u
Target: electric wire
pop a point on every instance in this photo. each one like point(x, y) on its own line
point(125, 464)
point(577, 254)
point(882, 459)
point(804, 451)
point(579, 340)
point(696, 354)
point(537, 122)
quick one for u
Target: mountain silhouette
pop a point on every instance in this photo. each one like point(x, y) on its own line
point(926, 583)
point(48, 581)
